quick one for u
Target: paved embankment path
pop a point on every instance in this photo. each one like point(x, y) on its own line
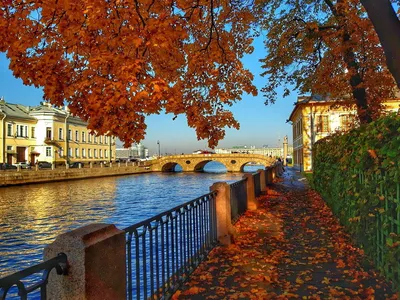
point(290, 248)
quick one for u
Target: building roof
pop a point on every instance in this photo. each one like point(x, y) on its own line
point(15, 110)
point(319, 99)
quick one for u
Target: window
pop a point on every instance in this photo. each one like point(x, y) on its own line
point(60, 134)
point(101, 153)
point(90, 138)
point(33, 133)
point(22, 131)
point(83, 152)
point(76, 152)
point(70, 152)
point(90, 153)
point(346, 122)
point(322, 124)
point(101, 139)
point(69, 134)
point(61, 152)
point(48, 132)
point(83, 136)
point(9, 130)
point(48, 151)
point(106, 140)
point(76, 135)
point(95, 153)
point(9, 148)
point(95, 139)
point(105, 154)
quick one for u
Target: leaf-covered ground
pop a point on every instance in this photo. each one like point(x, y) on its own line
point(291, 247)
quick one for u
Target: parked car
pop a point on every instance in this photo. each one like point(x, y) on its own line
point(44, 165)
point(23, 165)
point(6, 166)
point(76, 164)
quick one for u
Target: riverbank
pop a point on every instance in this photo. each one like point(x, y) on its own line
point(10, 178)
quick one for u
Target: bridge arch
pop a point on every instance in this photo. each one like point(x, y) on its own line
point(170, 167)
point(199, 167)
point(258, 161)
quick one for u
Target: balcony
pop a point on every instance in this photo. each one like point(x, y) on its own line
point(50, 141)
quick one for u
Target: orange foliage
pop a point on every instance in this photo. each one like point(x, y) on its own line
point(116, 62)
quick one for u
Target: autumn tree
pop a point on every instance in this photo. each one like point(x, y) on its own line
point(325, 47)
point(387, 26)
point(115, 62)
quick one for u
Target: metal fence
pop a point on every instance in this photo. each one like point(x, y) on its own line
point(238, 199)
point(257, 184)
point(162, 251)
point(387, 224)
point(22, 284)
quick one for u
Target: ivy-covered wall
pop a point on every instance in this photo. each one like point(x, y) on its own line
point(358, 175)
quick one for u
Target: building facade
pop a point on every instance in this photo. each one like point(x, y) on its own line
point(316, 117)
point(46, 133)
point(137, 151)
point(266, 151)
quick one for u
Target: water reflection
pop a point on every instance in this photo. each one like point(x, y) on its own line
point(32, 216)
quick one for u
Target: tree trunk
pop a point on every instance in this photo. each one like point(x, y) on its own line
point(387, 26)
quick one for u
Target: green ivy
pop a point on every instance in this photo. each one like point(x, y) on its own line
point(358, 175)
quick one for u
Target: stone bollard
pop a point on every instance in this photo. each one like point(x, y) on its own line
point(273, 173)
point(101, 164)
point(270, 172)
point(225, 230)
point(126, 163)
point(53, 166)
point(80, 166)
point(66, 166)
point(18, 168)
point(252, 202)
point(110, 164)
point(119, 165)
point(36, 167)
point(91, 164)
point(96, 261)
point(262, 180)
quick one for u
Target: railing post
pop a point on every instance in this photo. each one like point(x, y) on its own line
point(96, 260)
point(252, 202)
point(225, 230)
point(263, 186)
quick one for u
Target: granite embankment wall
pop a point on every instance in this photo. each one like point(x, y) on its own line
point(8, 178)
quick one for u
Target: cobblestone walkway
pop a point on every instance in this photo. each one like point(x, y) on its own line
point(290, 248)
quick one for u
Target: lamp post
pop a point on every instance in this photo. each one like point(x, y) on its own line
point(159, 152)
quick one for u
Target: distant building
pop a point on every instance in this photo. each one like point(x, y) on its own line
point(316, 117)
point(266, 151)
point(137, 151)
point(47, 133)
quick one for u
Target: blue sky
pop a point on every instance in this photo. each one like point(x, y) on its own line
point(259, 124)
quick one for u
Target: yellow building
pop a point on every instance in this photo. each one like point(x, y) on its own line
point(316, 117)
point(17, 133)
point(46, 133)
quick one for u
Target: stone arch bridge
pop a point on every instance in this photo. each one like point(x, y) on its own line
point(196, 162)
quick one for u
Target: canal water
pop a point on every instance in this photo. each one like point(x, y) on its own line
point(31, 216)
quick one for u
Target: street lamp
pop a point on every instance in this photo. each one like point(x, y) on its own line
point(159, 152)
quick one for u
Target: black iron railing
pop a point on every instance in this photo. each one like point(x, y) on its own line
point(162, 251)
point(257, 184)
point(25, 286)
point(238, 199)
